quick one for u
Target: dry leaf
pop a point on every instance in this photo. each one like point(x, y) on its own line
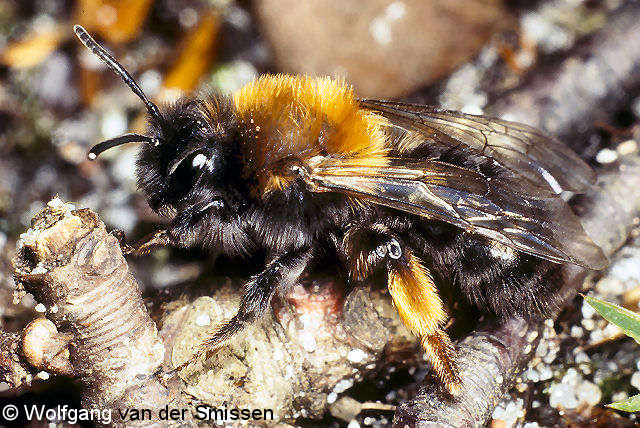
point(32, 49)
point(197, 55)
point(117, 21)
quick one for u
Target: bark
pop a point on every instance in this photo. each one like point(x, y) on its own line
point(69, 262)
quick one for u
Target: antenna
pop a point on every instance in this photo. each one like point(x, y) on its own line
point(123, 139)
point(108, 59)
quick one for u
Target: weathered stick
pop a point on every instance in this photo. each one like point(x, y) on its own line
point(565, 98)
point(69, 262)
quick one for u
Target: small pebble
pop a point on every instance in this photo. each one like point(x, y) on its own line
point(587, 311)
point(582, 357)
point(532, 375)
point(635, 380)
point(610, 286)
point(589, 392)
point(353, 424)
point(563, 396)
point(611, 330)
point(619, 396)
point(551, 356)
point(576, 331)
point(545, 373)
point(572, 377)
point(627, 147)
point(588, 324)
point(542, 349)
point(342, 385)
point(606, 156)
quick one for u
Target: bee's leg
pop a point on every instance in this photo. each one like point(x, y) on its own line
point(413, 292)
point(150, 242)
point(122, 240)
point(279, 274)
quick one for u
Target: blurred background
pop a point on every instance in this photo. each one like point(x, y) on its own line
point(57, 100)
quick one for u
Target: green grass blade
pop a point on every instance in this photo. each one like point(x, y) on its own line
point(628, 321)
point(631, 404)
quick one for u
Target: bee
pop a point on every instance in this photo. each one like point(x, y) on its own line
point(301, 169)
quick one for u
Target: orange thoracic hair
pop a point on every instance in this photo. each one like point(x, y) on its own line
point(298, 116)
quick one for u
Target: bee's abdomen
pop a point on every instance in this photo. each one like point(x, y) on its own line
point(491, 276)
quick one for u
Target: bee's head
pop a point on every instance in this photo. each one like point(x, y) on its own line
point(192, 165)
point(185, 160)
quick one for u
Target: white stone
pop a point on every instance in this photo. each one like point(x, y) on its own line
point(587, 311)
point(576, 331)
point(563, 396)
point(545, 372)
point(635, 380)
point(588, 392)
point(606, 156)
point(343, 385)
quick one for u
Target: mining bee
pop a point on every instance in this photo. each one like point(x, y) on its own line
point(299, 168)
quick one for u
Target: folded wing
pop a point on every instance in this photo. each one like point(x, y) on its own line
point(518, 207)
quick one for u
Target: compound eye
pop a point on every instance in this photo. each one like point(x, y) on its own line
point(185, 174)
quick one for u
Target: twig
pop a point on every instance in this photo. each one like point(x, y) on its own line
point(69, 262)
point(567, 97)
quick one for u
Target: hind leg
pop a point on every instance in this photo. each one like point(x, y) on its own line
point(412, 289)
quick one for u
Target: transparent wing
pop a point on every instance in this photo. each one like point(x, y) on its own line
point(544, 227)
point(539, 159)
